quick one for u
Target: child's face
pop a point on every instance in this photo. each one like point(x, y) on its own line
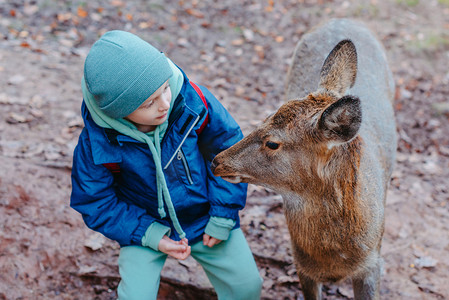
point(153, 111)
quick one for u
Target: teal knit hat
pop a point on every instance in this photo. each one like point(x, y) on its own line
point(122, 71)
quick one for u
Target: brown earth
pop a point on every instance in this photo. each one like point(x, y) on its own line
point(240, 50)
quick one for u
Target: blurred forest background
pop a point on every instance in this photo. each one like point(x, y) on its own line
point(241, 51)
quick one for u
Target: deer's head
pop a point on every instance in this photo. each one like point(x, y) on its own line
point(296, 143)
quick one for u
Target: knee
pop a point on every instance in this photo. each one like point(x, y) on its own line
point(139, 269)
point(250, 288)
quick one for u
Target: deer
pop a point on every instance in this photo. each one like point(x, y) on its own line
point(329, 151)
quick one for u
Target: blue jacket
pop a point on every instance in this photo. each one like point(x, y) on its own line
point(123, 207)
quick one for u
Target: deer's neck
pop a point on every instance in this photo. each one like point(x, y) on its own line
point(337, 173)
point(332, 186)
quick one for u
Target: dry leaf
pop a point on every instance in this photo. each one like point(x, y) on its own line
point(84, 270)
point(117, 3)
point(238, 42)
point(195, 13)
point(346, 291)
point(16, 79)
point(25, 45)
point(206, 25)
point(14, 118)
point(95, 241)
point(63, 17)
point(24, 34)
point(287, 279)
point(279, 39)
point(82, 13)
point(426, 262)
point(30, 9)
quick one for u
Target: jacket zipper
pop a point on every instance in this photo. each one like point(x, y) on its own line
point(182, 142)
point(182, 157)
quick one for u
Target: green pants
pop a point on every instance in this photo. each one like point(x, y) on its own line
point(230, 267)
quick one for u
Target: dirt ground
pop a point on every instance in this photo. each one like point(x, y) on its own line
point(240, 50)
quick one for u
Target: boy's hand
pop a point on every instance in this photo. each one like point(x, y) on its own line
point(210, 241)
point(179, 250)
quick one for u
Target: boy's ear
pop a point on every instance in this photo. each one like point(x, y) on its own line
point(340, 122)
point(339, 70)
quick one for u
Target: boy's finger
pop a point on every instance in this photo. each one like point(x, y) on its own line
point(211, 242)
point(181, 255)
point(186, 253)
point(206, 239)
point(176, 247)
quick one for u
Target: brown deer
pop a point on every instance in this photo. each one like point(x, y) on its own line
point(330, 154)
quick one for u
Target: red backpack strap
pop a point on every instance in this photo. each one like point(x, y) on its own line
point(113, 167)
point(206, 119)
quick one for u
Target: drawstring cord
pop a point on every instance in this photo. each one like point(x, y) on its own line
point(162, 189)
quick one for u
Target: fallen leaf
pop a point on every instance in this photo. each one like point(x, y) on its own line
point(30, 9)
point(14, 118)
point(346, 291)
point(117, 3)
point(145, 25)
point(84, 270)
point(206, 25)
point(238, 42)
point(195, 13)
point(37, 113)
point(52, 155)
point(16, 79)
point(24, 34)
point(6, 99)
point(287, 279)
point(426, 262)
point(270, 6)
point(260, 51)
point(82, 13)
point(25, 45)
point(279, 39)
point(63, 17)
point(95, 241)
point(248, 34)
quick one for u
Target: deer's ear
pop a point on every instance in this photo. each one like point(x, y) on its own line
point(340, 122)
point(339, 70)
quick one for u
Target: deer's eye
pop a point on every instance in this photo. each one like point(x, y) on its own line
point(272, 145)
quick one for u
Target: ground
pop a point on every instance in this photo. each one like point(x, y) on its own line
point(240, 50)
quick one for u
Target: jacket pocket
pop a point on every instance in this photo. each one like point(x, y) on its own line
point(180, 156)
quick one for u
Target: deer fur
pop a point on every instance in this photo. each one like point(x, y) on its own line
point(330, 154)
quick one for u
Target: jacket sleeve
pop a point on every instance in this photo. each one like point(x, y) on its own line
point(221, 132)
point(93, 196)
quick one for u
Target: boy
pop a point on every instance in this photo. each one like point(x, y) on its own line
point(141, 171)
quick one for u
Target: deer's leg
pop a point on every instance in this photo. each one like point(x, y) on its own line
point(310, 288)
point(367, 286)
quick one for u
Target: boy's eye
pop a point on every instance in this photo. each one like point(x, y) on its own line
point(147, 105)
